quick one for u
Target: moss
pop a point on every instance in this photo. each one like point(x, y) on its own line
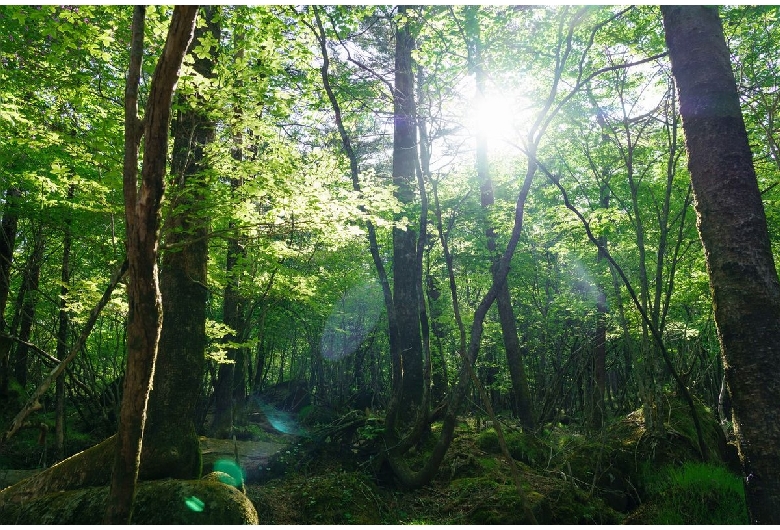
point(157, 502)
point(522, 446)
point(339, 497)
point(482, 500)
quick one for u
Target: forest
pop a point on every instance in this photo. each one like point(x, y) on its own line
point(425, 264)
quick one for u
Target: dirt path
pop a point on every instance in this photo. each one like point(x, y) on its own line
point(253, 457)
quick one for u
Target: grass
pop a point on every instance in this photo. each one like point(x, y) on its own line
point(695, 493)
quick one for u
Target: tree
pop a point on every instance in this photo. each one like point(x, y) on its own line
point(8, 228)
point(408, 367)
point(142, 217)
point(514, 355)
point(733, 229)
point(173, 448)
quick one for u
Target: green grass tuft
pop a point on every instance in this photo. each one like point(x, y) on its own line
point(696, 493)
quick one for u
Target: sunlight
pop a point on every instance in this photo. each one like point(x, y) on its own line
point(494, 117)
point(503, 118)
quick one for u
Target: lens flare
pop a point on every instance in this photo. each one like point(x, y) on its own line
point(194, 504)
point(281, 420)
point(233, 474)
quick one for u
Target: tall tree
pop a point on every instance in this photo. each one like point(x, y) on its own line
point(63, 326)
point(521, 395)
point(225, 388)
point(407, 265)
point(8, 227)
point(142, 218)
point(733, 229)
point(173, 442)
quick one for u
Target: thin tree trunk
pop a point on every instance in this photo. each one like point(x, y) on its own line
point(27, 301)
point(733, 230)
point(521, 395)
point(226, 390)
point(8, 228)
point(63, 325)
point(33, 402)
point(142, 219)
point(598, 366)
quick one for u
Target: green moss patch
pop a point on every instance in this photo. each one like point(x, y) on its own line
point(157, 502)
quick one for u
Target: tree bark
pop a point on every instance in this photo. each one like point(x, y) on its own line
point(8, 227)
point(406, 269)
point(142, 219)
point(732, 226)
point(173, 449)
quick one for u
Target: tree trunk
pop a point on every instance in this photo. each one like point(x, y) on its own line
point(63, 325)
point(8, 228)
point(173, 449)
point(142, 219)
point(406, 267)
point(26, 302)
point(733, 230)
point(521, 395)
point(595, 413)
point(226, 388)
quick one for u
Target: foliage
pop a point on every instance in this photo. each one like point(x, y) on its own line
point(582, 91)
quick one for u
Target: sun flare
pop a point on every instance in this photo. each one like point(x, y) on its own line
point(500, 118)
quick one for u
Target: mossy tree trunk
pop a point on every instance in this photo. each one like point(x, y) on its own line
point(171, 443)
point(733, 229)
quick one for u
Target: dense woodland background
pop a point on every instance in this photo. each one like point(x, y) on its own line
point(309, 221)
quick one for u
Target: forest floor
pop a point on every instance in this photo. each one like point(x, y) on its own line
point(620, 475)
point(330, 473)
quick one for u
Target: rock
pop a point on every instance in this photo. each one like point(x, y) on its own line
point(169, 501)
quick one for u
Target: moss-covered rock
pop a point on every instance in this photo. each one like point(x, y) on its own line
point(339, 497)
point(206, 501)
point(483, 500)
point(524, 447)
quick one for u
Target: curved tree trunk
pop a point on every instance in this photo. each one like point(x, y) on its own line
point(521, 395)
point(142, 218)
point(733, 230)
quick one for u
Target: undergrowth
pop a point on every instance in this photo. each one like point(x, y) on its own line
point(695, 493)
